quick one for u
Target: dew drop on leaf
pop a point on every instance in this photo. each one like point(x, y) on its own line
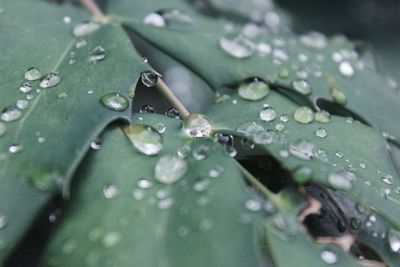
point(254, 89)
point(284, 118)
point(10, 114)
point(110, 191)
point(197, 125)
point(171, 18)
point(304, 115)
point(237, 46)
point(22, 104)
point(341, 180)
point(394, 240)
point(201, 184)
point(85, 28)
point(302, 86)
point(303, 149)
point(329, 257)
point(200, 152)
point(111, 239)
point(268, 114)
point(97, 54)
point(322, 116)
point(144, 183)
point(321, 132)
point(314, 40)
point(387, 179)
point(145, 139)
point(302, 174)
point(253, 205)
point(115, 101)
point(338, 96)
point(25, 88)
point(172, 113)
point(32, 74)
point(16, 148)
point(50, 80)
point(170, 169)
point(346, 69)
point(184, 151)
point(81, 43)
point(216, 171)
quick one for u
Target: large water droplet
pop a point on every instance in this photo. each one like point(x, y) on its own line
point(197, 125)
point(237, 46)
point(170, 169)
point(303, 149)
point(322, 116)
point(145, 139)
point(268, 113)
point(302, 86)
point(32, 74)
point(115, 101)
point(346, 69)
point(171, 18)
point(329, 257)
point(50, 80)
point(394, 240)
point(253, 90)
point(341, 180)
point(97, 54)
point(85, 28)
point(304, 115)
point(11, 114)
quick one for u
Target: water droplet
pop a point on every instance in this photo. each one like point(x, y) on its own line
point(201, 184)
point(165, 203)
point(50, 80)
point(302, 86)
point(363, 165)
point(237, 46)
point(147, 109)
point(200, 152)
point(85, 28)
point(338, 96)
point(197, 125)
point(10, 114)
point(303, 150)
point(321, 132)
point(322, 116)
point(3, 220)
point(264, 49)
point(279, 127)
point(302, 174)
point(256, 132)
point(346, 69)
point(253, 205)
point(329, 257)
point(339, 154)
point(110, 191)
point(183, 231)
point(138, 194)
point(172, 113)
point(224, 139)
point(3, 129)
point(144, 183)
point(25, 88)
point(247, 144)
point(149, 78)
point(314, 39)
point(22, 104)
point(67, 19)
point(32, 74)
point(171, 18)
point(216, 171)
point(115, 101)
point(284, 118)
point(97, 54)
point(111, 239)
point(304, 115)
point(160, 127)
point(253, 90)
point(341, 180)
point(16, 148)
point(268, 113)
point(96, 145)
point(170, 169)
point(145, 139)
point(81, 43)
point(205, 225)
point(387, 179)
point(394, 240)
point(184, 151)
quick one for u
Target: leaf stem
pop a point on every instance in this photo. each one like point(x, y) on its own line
point(171, 97)
point(95, 10)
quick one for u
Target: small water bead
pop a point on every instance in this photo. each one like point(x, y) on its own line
point(302, 174)
point(97, 54)
point(16, 148)
point(321, 132)
point(115, 101)
point(147, 109)
point(111, 239)
point(346, 69)
point(387, 179)
point(304, 115)
point(149, 78)
point(22, 104)
point(253, 205)
point(171, 18)
point(184, 151)
point(3, 220)
point(10, 114)
point(183, 231)
point(197, 125)
point(268, 114)
point(394, 240)
point(200, 152)
point(170, 169)
point(165, 203)
point(302, 86)
point(67, 19)
point(81, 43)
point(283, 73)
point(303, 149)
point(138, 194)
point(341, 180)
point(216, 171)
point(32, 74)
point(254, 89)
point(85, 28)
point(314, 40)
point(284, 118)
point(173, 113)
point(256, 132)
point(72, 61)
point(237, 46)
point(247, 144)
point(144, 183)
point(25, 88)
point(322, 116)
point(110, 191)
point(95, 145)
point(160, 127)
point(50, 80)
point(279, 127)
point(145, 139)
point(201, 184)
point(329, 257)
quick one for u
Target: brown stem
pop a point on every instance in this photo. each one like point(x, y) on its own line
point(92, 7)
point(172, 99)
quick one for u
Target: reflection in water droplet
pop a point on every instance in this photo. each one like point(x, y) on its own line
point(10, 114)
point(322, 116)
point(25, 88)
point(170, 169)
point(110, 191)
point(394, 240)
point(50, 80)
point(171, 18)
point(115, 101)
point(302, 86)
point(253, 90)
point(85, 28)
point(197, 125)
point(304, 115)
point(346, 69)
point(341, 180)
point(303, 149)
point(147, 109)
point(97, 54)
point(329, 257)
point(16, 148)
point(321, 132)
point(268, 113)
point(32, 74)
point(145, 139)
point(237, 46)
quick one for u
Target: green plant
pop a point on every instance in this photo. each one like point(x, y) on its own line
point(259, 174)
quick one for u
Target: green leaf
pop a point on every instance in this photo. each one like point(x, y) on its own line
point(41, 149)
point(347, 147)
point(206, 215)
point(292, 56)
